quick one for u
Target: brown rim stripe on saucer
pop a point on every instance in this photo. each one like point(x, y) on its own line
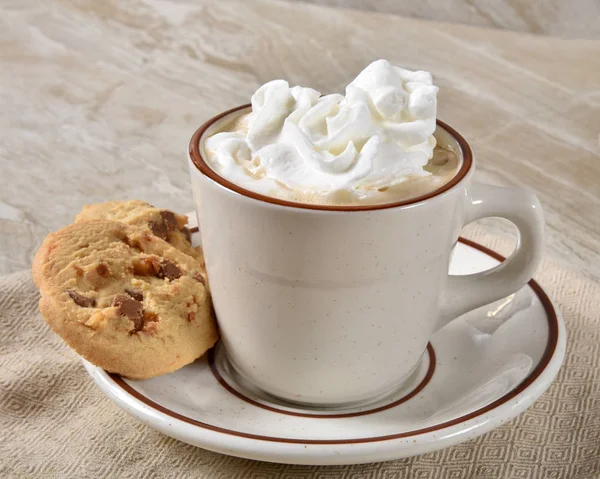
point(537, 371)
point(202, 166)
point(406, 397)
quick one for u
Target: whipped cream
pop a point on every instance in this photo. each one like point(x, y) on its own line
point(378, 135)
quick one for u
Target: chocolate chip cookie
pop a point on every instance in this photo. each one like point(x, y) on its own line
point(123, 298)
point(165, 224)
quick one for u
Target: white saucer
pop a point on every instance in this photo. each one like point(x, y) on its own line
point(479, 372)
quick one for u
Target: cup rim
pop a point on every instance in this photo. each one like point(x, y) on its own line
point(202, 166)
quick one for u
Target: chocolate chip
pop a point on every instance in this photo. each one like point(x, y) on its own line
point(131, 309)
point(167, 223)
point(103, 270)
point(78, 270)
point(127, 306)
point(135, 294)
point(187, 233)
point(168, 269)
point(169, 220)
point(159, 228)
point(138, 325)
point(82, 300)
point(198, 277)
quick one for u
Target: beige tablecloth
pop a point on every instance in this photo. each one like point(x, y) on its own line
point(54, 422)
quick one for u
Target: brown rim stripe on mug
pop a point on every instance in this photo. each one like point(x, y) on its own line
point(544, 361)
point(200, 163)
point(397, 402)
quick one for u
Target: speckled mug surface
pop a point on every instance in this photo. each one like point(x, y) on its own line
point(332, 305)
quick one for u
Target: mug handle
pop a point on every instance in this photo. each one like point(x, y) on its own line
point(522, 208)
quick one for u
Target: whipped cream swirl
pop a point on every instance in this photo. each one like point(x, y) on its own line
point(378, 135)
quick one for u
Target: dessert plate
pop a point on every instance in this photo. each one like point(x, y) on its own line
point(477, 373)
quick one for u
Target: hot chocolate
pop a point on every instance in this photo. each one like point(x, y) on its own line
point(374, 145)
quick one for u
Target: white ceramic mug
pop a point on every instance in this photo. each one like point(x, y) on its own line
point(331, 305)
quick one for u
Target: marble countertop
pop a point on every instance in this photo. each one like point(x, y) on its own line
point(98, 101)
